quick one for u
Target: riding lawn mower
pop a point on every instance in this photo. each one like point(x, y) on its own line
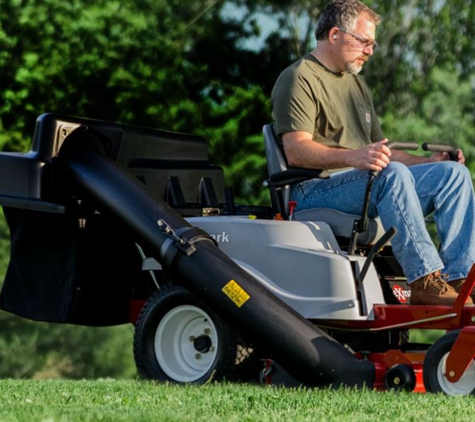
point(114, 224)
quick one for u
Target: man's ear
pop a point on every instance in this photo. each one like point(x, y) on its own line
point(333, 34)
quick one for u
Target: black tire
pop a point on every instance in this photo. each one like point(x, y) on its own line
point(434, 369)
point(178, 339)
point(400, 378)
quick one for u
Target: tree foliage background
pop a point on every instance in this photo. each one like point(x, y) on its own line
point(208, 67)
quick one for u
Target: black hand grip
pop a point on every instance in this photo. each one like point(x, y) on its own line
point(403, 145)
point(441, 148)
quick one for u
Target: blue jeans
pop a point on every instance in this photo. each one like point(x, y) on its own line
point(402, 197)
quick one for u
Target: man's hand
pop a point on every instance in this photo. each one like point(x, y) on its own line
point(373, 157)
point(444, 156)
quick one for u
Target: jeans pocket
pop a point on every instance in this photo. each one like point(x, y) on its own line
point(308, 187)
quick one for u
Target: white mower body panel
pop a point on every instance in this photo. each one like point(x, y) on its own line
point(300, 262)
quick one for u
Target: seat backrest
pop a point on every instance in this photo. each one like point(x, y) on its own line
point(276, 163)
point(275, 156)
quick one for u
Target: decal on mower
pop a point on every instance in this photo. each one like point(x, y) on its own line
point(221, 238)
point(236, 293)
point(403, 295)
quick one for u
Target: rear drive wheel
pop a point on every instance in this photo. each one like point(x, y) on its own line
point(179, 339)
point(434, 369)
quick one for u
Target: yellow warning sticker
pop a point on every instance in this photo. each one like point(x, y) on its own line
point(236, 293)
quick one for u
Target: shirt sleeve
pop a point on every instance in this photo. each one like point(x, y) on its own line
point(293, 104)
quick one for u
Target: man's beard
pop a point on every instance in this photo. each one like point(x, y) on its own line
point(353, 67)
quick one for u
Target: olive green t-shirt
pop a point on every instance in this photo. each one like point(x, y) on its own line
point(336, 107)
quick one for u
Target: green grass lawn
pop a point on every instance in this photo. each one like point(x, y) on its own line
point(110, 400)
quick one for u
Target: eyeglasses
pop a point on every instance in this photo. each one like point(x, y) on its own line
point(363, 41)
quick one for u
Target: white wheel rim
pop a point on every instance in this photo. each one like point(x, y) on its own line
point(464, 386)
point(176, 338)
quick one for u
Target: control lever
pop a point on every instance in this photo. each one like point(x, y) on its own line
point(361, 224)
point(441, 148)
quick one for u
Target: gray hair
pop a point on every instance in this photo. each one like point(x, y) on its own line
point(342, 13)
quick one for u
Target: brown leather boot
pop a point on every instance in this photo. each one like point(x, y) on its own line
point(433, 290)
point(457, 285)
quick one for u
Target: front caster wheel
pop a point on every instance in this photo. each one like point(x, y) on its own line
point(178, 339)
point(434, 369)
point(400, 378)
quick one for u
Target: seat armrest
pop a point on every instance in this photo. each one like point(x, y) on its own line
point(293, 175)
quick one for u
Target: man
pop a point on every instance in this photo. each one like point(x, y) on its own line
point(324, 115)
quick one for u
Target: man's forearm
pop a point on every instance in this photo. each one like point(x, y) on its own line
point(408, 159)
point(302, 151)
